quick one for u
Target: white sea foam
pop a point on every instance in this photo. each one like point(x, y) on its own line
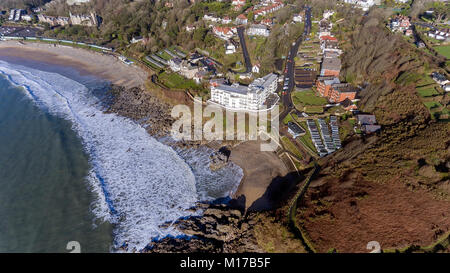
point(140, 182)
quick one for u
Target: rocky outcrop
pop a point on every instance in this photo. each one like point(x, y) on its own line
point(221, 228)
point(219, 159)
point(141, 106)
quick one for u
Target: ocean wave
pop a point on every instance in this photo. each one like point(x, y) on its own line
point(140, 183)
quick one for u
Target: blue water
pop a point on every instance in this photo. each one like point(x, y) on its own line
point(44, 196)
point(71, 172)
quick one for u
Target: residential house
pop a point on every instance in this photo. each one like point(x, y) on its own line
point(330, 67)
point(297, 18)
point(400, 23)
point(230, 48)
point(241, 19)
point(348, 105)
point(226, 20)
point(341, 91)
point(53, 21)
point(224, 33)
point(237, 2)
point(441, 35)
point(267, 22)
point(323, 84)
point(211, 17)
point(327, 14)
point(368, 123)
point(90, 20)
point(439, 78)
point(365, 119)
point(256, 67)
point(28, 17)
point(258, 30)
point(175, 64)
point(136, 39)
point(190, 28)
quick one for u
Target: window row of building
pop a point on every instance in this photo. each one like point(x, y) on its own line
point(241, 97)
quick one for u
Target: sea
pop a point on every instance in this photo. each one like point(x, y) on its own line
point(72, 174)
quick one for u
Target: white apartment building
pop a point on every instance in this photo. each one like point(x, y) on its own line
point(258, 30)
point(242, 97)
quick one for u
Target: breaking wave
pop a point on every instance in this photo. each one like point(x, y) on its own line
point(139, 182)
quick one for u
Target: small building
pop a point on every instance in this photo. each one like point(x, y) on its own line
point(190, 28)
point(241, 19)
point(256, 67)
point(230, 48)
point(295, 130)
point(446, 87)
point(137, 39)
point(258, 30)
point(439, 78)
point(348, 105)
point(175, 64)
point(365, 119)
point(226, 20)
point(369, 129)
point(297, 18)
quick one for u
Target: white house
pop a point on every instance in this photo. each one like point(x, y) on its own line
point(210, 17)
point(241, 19)
point(297, 18)
point(224, 33)
point(242, 97)
point(175, 64)
point(327, 14)
point(226, 20)
point(258, 30)
point(230, 48)
point(255, 68)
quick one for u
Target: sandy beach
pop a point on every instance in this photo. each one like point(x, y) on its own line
point(260, 168)
point(87, 62)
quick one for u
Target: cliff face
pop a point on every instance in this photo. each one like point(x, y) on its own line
point(370, 189)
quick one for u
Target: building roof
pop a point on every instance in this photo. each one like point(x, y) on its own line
point(295, 128)
point(366, 119)
point(331, 64)
point(346, 103)
point(345, 88)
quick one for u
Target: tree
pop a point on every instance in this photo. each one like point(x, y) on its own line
point(441, 10)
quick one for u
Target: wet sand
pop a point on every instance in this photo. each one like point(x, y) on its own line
point(87, 62)
point(260, 169)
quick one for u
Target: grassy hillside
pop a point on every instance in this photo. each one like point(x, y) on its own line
point(370, 189)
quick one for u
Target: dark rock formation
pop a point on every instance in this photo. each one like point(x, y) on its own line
point(141, 106)
point(221, 229)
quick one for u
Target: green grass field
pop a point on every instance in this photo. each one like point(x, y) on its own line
point(443, 50)
point(432, 104)
point(427, 91)
point(173, 80)
point(307, 98)
point(313, 109)
point(289, 146)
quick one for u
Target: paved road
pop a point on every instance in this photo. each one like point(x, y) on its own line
point(248, 64)
point(425, 25)
point(290, 63)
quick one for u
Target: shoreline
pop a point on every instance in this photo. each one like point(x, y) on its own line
point(259, 168)
point(86, 62)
